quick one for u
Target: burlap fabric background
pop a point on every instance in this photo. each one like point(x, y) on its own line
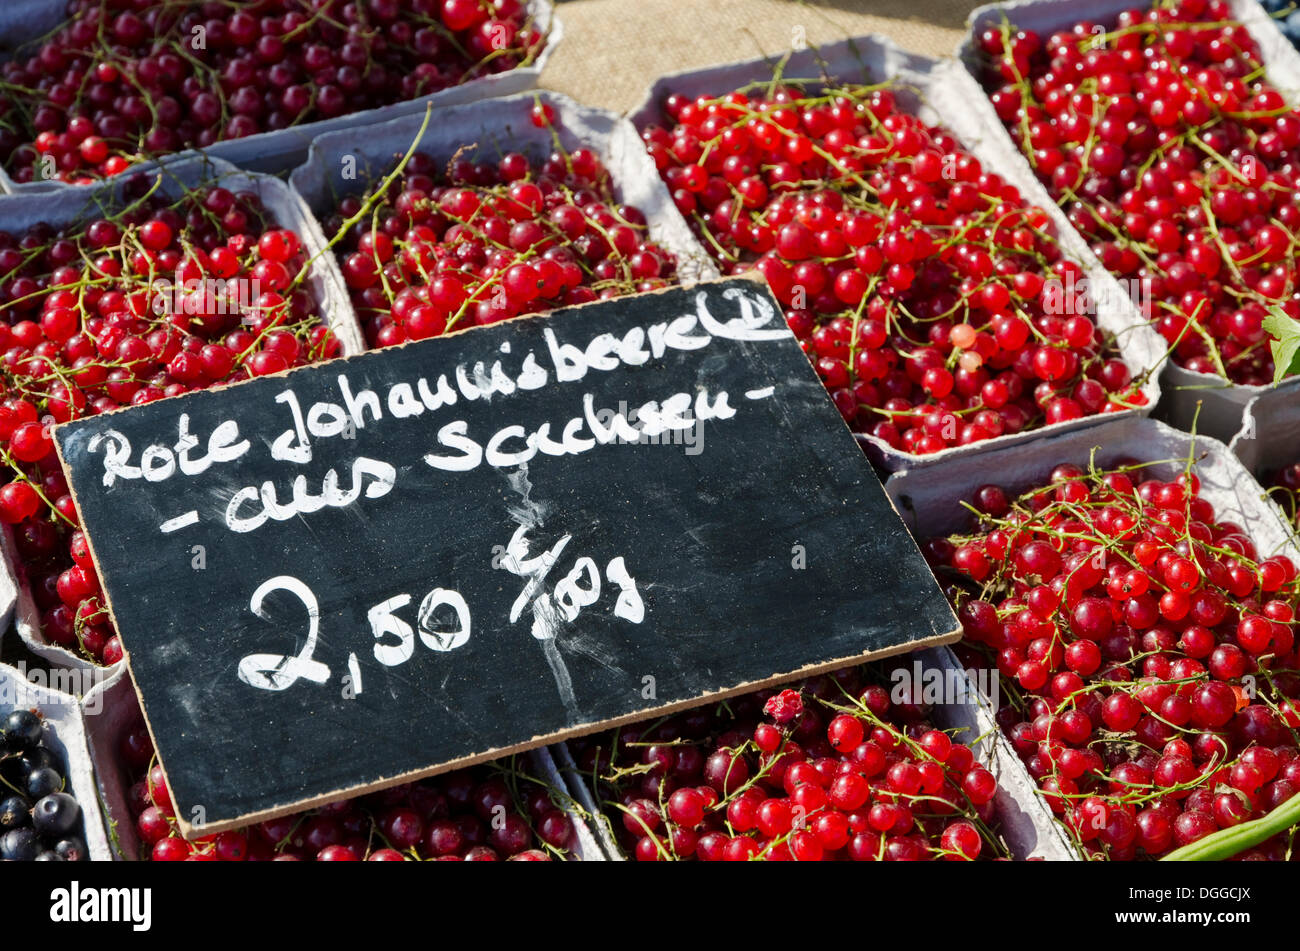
point(614, 49)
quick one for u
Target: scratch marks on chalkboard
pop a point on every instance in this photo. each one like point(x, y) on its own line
point(546, 625)
point(528, 514)
point(186, 697)
point(590, 647)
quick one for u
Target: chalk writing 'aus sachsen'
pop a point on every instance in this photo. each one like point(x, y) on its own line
point(452, 446)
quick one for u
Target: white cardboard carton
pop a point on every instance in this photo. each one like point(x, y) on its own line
point(929, 500)
point(70, 205)
point(274, 152)
point(66, 730)
point(1220, 403)
point(111, 708)
point(341, 163)
point(943, 94)
point(1022, 818)
point(1269, 437)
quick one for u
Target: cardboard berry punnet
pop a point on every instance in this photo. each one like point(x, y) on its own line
point(931, 500)
point(1269, 439)
point(71, 206)
point(342, 163)
point(67, 723)
point(116, 710)
point(941, 93)
point(1022, 820)
point(1213, 403)
point(22, 21)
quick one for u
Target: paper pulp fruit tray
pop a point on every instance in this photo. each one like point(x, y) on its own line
point(343, 163)
point(77, 205)
point(941, 94)
point(1022, 819)
point(1221, 403)
point(22, 21)
point(1269, 437)
point(117, 710)
point(929, 500)
point(65, 729)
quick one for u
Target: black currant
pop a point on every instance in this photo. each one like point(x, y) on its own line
point(71, 849)
point(38, 758)
point(19, 845)
point(22, 730)
point(15, 811)
point(55, 814)
point(43, 781)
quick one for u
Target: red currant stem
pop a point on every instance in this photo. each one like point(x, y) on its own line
point(200, 67)
point(1069, 195)
point(375, 833)
point(707, 234)
point(30, 256)
point(319, 14)
point(1168, 26)
point(1230, 167)
point(1158, 364)
point(746, 114)
point(1243, 291)
point(857, 319)
point(379, 265)
point(859, 709)
point(649, 833)
point(558, 797)
point(367, 204)
point(23, 477)
point(555, 135)
point(1020, 81)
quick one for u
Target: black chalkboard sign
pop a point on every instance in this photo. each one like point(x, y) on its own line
point(376, 568)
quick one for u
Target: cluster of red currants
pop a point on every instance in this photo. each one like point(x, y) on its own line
point(133, 78)
point(838, 770)
point(162, 297)
point(482, 814)
point(1148, 652)
point(1173, 155)
point(488, 242)
point(934, 302)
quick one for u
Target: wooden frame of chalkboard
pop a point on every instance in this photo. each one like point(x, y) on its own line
point(653, 573)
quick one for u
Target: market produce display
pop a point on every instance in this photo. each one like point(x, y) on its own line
point(429, 251)
point(832, 769)
point(120, 82)
point(157, 297)
point(1140, 644)
point(498, 812)
point(1147, 654)
point(39, 819)
point(933, 300)
point(1162, 138)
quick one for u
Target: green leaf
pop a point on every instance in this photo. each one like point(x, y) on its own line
point(1285, 343)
